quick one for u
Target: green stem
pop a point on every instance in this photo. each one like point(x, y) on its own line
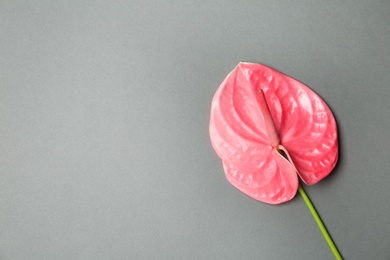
point(319, 223)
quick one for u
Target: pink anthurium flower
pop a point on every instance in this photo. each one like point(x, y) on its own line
point(268, 129)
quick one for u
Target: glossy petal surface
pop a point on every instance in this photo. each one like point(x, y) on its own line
point(304, 123)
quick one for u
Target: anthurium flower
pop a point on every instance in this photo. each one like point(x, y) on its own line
point(268, 129)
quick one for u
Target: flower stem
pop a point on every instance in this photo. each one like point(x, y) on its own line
point(319, 223)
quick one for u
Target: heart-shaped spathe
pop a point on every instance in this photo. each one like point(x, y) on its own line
point(259, 118)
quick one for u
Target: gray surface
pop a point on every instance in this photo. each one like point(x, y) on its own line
point(104, 109)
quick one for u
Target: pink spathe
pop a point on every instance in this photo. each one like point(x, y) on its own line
point(257, 115)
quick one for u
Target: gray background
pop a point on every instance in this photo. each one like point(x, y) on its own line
point(104, 110)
